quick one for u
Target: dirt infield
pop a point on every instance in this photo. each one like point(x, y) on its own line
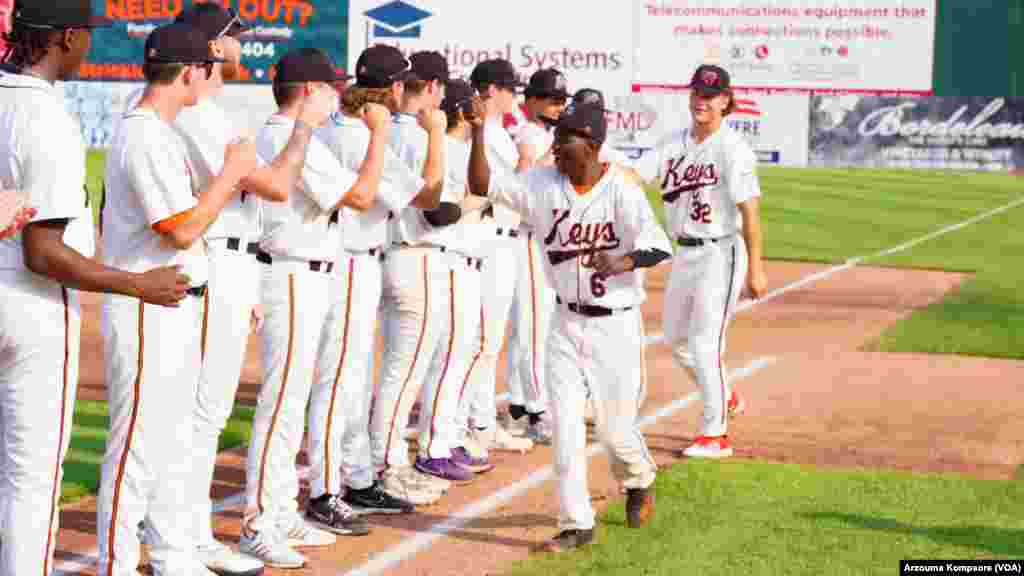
point(816, 399)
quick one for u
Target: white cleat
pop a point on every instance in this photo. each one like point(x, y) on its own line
point(503, 441)
point(302, 534)
point(220, 559)
point(709, 447)
point(399, 483)
point(541, 432)
point(271, 549)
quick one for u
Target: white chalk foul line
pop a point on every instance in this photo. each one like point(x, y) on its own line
point(858, 260)
point(421, 541)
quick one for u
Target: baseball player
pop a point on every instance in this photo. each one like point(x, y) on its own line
point(711, 193)
point(301, 296)
point(417, 303)
point(15, 214)
point(42, 268)
point(534, 299)
point(233, 291)
point(598, 231)
point(346, 375)
point(154, 215)
point(497, 83)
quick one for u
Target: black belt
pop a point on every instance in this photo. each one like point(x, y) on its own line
point(510, 232)
point(591, 310)
point(314, 265)
point(236, 244)
point(372, 253)
point(694, 242)
point(474, 263)
point(197, 291)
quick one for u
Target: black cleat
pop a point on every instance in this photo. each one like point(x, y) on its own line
point(373, 500)
point(332, 514)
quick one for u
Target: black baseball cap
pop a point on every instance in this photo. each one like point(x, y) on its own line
point(429, 66)
point(456, 93)
point(307, 65)
point(380, 66)
point(498, 72)
point(710, 80)
point(179, 43)
point(213, 20)
point(57, 14)
point(582, 97)
point(586, 120)
point(547, 83)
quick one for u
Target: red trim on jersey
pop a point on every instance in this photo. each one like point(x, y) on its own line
point(280, 393)
point(168, 225)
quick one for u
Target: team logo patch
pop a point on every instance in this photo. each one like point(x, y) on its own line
point(709, 78)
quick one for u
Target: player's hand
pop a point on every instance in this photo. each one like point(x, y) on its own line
point(432, 120)
point(164, 286)
point(319, 106)
point(256, 318)
point(606, 265)
point(477, 114)
point(14, 213)
point(757, 283)
point(240, 157)
point(375, 116)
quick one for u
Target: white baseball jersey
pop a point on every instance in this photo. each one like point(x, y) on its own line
point(614, 216)
point(149, 179)
point(206, 131)
point(702, 183)
point(409, 141)
point(50, 171)
point(306, 226)
point(502, 157)
point(468, 234)
point(349, 139)
point(537, 136)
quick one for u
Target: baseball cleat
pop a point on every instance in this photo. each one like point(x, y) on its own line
point(462, 457)
point(374, 500)
point(515, 421)
point(399, 483)
point(639, 506)
point(223, 561)
point(445, 469)
point(737, 404)
point(713, 447)
point(567, 540)
point(332, 514)
point(269, 548)
point(301, 534)
point(503, 441)
point(540, 432)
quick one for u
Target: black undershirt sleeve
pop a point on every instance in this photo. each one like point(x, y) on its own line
point(648, 258)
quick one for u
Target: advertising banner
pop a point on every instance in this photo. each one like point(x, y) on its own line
point(964, 133)
point(775, 126)
point(277, 26)
point(844, 45)
point(592, 43)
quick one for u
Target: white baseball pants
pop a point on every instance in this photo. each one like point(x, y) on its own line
point(39, 350)
point(532, 307)
point(476, 400)
point(340, 407)
point(439, 430)
point(302, 310)
point(703, 289)
point(415, 302)
point(153, 361)
point(233, 291)
point(604, 355)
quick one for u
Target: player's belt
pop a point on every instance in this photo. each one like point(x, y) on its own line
point(314, 265)
point(197, 291)
point(591, 310)
point(510, 232)
point(236, 245)
point(695, 242)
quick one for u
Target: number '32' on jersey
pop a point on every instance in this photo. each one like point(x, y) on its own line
point(613, 217)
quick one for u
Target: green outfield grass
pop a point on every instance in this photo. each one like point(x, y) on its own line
point(829, 216)
point(744, 517)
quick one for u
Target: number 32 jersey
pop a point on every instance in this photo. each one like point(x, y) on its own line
point(614, 217)
point(701, 184)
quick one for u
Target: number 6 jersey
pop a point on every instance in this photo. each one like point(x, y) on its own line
point(701, 184)
point(614, 217)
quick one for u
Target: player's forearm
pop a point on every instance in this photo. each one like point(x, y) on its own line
point(205, 212)
point(275, 181)
point(364, 192)
point(479, 176)
point(433, 173)
point(51, 258)
point(752, 233)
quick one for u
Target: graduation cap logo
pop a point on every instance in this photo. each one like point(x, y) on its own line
point(396, 19)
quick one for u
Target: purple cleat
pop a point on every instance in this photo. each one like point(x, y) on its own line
point(444, 468)
point(463, 458)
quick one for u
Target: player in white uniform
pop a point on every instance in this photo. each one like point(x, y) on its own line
point(42, 268)
point(534, 299)
point(233, 293)
point(155, 216)
point(598, 231)
point(361, 268)
point(711, 193)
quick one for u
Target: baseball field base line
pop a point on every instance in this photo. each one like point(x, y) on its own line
point(395, 555)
